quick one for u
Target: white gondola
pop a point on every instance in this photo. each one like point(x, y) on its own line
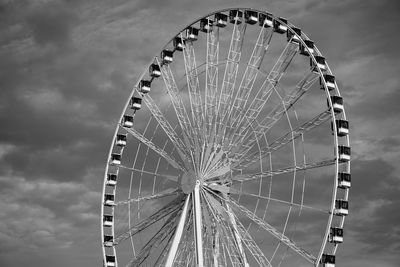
point(127, 121)
point(344, 180)
point(154, 71)
point(221, 20)
point(110, 261)
point(116, 159)
point(308, 48)
point(321, 64)
point(336, 235)
point(328, 260)
point(144, 85)
point(344, 153)
point(109, 200)
point(136, 103)
point(108, 240)
point(342, 127)
point(294, 37)
point(192, 33)
point(206, 24)
point(280, 27)
point(107, 220)
point(337, 104)
point(235, 16)
point(341, 207)
point(167, 56)
point(121, 140)
point(111, 179)
point(329, 81)
point(251, 17)
point(178, 43)
point(265, 20)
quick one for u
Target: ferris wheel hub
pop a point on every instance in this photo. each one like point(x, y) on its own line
point(188, 181)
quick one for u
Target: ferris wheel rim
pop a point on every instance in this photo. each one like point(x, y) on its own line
point(328, 97)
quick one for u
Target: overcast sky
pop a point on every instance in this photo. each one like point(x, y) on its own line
point(66, 68)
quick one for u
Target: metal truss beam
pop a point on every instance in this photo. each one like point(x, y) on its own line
point(177, 102)
point(249, 177)
point(230, 74)
point(155, 148)
point(249, 135)
point(269, 228)
point(250, 75)
point(252, 246)
point(164, 232)
point(180, 146)
point(285, 139)
point(165, 193)
point(170, 209)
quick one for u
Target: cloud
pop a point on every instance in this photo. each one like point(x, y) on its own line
point(51, 24)
point(68, 66)
point(40, 216)
point(373, 201)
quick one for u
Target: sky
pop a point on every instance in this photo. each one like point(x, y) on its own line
point(67, 67)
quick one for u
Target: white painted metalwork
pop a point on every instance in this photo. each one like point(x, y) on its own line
point(178, 234)
point(206, 169)
point(198, 225)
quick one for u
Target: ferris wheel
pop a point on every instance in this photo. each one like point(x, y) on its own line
point(228, 153)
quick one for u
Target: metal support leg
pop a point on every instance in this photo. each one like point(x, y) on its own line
point(178, 235)
point(198, 225)
point(216, 248)
point(237, 236)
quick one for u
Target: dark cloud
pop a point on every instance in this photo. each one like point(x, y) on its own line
point(390, 144)
point(374, 199)
point(51, 24)
point(380, 106)
point(367, 180)
point(67, 67)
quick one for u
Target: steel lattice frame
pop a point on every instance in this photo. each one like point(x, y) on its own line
point(228, 160)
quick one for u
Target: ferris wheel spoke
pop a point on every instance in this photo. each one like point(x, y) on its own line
point(165, 193)
point(269, 228)
point(246, 135)
point(230, 74)
point(269, 83)
point(195, 101)
point(182, 149)
point(164, 252)
point(289, 203)
point(237, 237)
point(194, 87)
point(254, 176)
point(221, 210)
point(211, 79)
point(155, 148)
point(211, 249)
point(173, 178)
point(250, 75)
point(224, 232)
point(229, 246)
point(166, 231)
point(289, 100)
point(189, 135)
point(285, 139)
point(170, 209)
point(266, 88)
point(252, 245)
